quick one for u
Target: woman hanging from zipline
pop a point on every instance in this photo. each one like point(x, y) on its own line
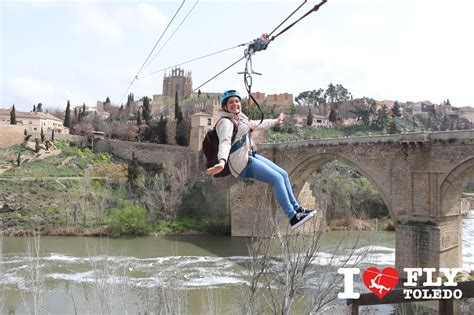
point(243, 161)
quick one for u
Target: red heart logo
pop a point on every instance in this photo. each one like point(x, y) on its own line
point(380, 282)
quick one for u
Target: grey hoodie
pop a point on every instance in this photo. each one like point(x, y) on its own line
point(238, 159)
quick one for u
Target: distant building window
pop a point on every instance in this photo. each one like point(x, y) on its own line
point(209, 121)
point(31, 122)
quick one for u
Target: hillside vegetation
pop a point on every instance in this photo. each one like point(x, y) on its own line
point(74, 191)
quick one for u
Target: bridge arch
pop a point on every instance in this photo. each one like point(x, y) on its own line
point(453, 185)
point(302, 171)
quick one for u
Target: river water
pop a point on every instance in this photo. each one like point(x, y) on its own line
point(201, 274)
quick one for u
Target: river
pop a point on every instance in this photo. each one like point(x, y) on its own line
point(201, 274)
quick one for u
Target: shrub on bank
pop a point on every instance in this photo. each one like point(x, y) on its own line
point(128, 220)
point(215, 226)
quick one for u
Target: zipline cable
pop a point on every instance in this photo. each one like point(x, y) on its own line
point(215, 76)
point(191, 60)
point(171, 36)
point(256, 45)
point(314, 9)
point(262, 44)
point(151, 52)
point(270, 34)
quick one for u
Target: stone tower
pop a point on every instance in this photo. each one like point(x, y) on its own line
point(179, 81)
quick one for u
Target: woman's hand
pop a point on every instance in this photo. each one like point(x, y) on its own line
point(216, 169)
point(281, 118)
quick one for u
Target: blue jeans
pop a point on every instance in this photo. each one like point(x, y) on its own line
point(266, 171)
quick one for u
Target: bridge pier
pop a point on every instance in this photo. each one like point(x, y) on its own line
point(428, 244)
point(256, 213)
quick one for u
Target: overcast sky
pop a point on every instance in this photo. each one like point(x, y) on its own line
point(84, 51)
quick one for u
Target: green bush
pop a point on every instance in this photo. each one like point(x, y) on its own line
point(128, 220)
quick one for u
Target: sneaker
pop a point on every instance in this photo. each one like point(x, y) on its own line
point(303, 210)
point(299, 219)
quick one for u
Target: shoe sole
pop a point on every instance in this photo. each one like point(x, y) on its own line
point(306, 219)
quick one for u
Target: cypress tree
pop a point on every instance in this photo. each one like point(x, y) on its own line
point(396, 110)
point(162, 137)
point(42, 135)
point(309, 118)
point(37, 145)
point(180, 124)
point(146, 110)
point(52, 135)
point(67, 116)
point(332, 115)
point(39, 108)
point(13, 115)
point(34, 108)
point(176, 106)
point(139, 119)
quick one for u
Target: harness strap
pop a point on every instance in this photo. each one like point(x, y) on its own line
point(237, 145)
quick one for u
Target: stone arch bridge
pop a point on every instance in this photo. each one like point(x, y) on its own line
point(420, 177)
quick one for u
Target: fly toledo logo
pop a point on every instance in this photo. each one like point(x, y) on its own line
point(382, 282)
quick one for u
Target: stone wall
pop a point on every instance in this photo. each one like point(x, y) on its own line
point(11, 134)
point(144, 152)
point(14, 134)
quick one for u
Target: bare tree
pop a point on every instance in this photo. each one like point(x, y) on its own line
point(282, 266)
point(86, 194)
point(83, 128)
point(162, 192)
point(109, 291)
point(169, 299)
point(35, 277)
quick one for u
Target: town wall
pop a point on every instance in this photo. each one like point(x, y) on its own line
point(11, 135)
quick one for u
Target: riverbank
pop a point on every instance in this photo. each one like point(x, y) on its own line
point(356, 224)
point(188, 227)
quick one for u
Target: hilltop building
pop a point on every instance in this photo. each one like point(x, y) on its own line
point(177, 81)
point(281, 102)
point(33, 121)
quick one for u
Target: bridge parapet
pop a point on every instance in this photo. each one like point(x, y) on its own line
point(379, 139)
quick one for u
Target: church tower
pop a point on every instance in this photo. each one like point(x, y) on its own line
point(179, 81)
